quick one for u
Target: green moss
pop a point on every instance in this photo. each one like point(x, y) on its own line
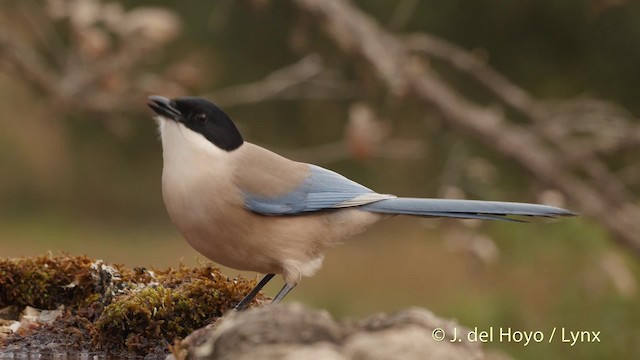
point(120, 311)
point(159, 314)
point(45, 282)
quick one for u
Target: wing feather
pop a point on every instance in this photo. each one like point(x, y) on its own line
point(322, 190)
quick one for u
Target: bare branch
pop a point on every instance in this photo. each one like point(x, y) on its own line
point(391, 148)
point(356, 33)
point(84, 74)
point(471, 65)
point(520, 100)
point(283, 83)
point(26, 64)
point(402, 14)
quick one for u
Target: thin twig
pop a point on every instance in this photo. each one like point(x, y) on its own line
point(24, 63)
point(402, 14)
point(272, 86)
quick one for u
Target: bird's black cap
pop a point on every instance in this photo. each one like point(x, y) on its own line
point(201, 116)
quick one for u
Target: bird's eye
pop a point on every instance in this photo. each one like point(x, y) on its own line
point(201, 117)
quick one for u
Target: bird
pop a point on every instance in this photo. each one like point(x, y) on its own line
point(248, 208)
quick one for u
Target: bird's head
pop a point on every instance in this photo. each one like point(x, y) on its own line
point(200, 116)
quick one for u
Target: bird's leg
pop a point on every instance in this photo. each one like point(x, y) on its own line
point(282, 293)
point(247, 299)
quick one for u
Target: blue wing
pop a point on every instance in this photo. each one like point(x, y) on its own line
point(324, 189)
point(321, 190)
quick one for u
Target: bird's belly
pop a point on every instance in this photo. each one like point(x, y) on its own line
point(208, 213)
point(230, 247)
point(243, 240)
point(217, 225)
point(229, 253)
point(221, 234)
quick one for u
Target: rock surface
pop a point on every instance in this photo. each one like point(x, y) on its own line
point(294, 332)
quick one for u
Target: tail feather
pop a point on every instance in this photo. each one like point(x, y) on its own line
point(464, 209)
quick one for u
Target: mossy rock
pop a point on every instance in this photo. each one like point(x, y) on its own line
point(114, 309)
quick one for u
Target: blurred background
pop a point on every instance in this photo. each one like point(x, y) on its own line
point(531, 101)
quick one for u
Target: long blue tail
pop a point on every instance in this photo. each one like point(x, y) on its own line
point(464, 209)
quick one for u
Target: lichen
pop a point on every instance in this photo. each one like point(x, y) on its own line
point(111, 308)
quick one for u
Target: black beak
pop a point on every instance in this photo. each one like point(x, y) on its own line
point(164, 107)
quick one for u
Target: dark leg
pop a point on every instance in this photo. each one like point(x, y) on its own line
point(247, 299)
point(283, 292)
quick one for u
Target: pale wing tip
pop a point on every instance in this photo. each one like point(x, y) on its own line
point(556, 213)
point(564, 213)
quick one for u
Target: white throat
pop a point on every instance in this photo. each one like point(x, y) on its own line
point(181, 144)
point(188, 156)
